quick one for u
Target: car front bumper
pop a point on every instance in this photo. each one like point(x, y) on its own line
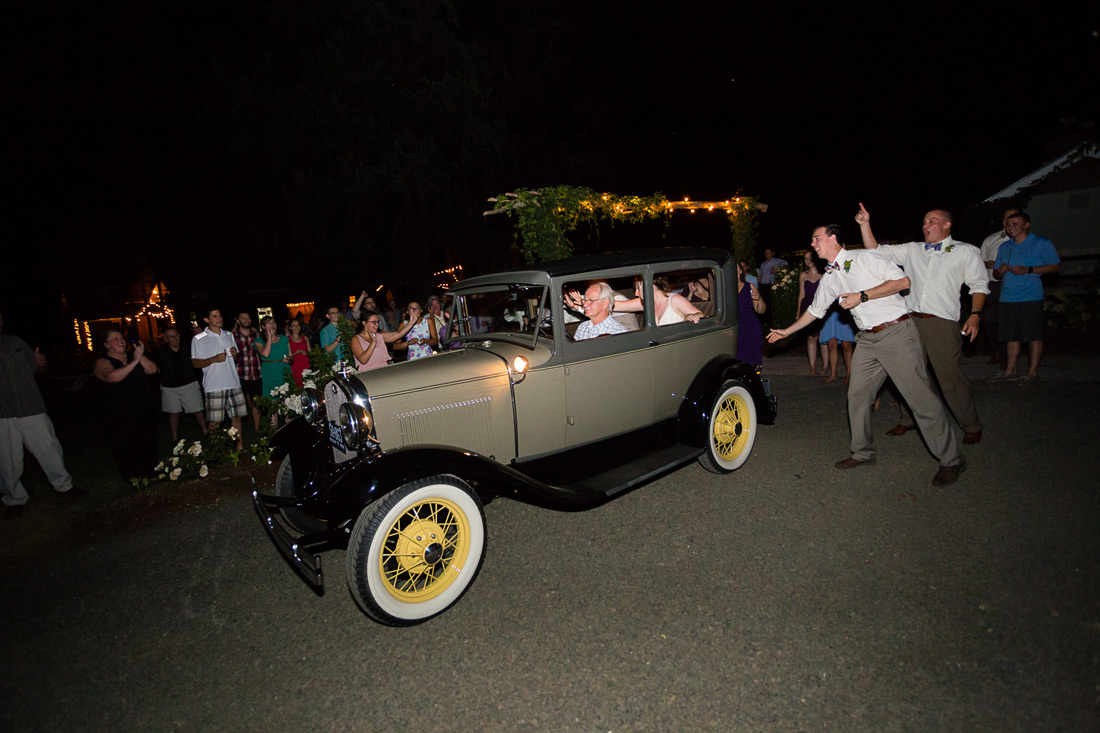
point(297, 548)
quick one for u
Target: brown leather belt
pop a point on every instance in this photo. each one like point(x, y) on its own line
point(923, 315)
point(881, 326)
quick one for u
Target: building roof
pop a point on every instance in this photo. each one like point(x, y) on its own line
point(1079, 168)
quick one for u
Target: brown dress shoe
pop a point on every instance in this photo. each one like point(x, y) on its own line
point(850, 462)
point(900, 429)
point(948, 475)
point(972, 438)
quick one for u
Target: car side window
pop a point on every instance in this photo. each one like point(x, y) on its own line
point(689, 290)
point(586, 301)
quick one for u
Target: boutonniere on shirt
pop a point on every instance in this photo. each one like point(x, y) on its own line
point(848, 266)
point(948, 248)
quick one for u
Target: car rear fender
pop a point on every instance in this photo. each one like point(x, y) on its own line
point(694, 412)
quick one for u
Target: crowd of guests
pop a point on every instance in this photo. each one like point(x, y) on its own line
point(216, 373)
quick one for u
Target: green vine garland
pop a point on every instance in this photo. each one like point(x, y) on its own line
point(547, 215)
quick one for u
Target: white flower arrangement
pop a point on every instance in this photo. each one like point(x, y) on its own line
point(195, 461)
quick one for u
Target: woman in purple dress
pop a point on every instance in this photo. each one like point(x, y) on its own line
point(807, 284)
point(750, 334)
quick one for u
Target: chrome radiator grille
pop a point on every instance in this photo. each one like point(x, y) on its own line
point(334, 397)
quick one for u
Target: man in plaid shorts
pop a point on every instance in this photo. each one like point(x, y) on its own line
point(214, 351)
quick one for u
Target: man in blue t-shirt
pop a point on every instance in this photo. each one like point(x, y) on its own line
point(1021, 262)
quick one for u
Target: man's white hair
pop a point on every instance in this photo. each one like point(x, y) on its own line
point(606, 293)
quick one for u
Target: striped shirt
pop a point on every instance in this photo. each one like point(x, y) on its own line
point(19, 395)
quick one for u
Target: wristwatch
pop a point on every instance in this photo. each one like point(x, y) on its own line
point(1030, 269)
point(976, 313)
point(862, 296)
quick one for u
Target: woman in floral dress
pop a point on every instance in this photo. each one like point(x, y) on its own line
point(421, 337)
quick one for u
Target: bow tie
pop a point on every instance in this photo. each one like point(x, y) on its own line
point(934, 247)
point(832, 267)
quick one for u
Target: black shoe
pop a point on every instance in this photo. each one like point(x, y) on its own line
point(13, 512)
point(73, 493)
point(852, 463)
point(947, 475)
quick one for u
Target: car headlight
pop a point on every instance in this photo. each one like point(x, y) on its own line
point(355, 425)
point(313, 405)
point(519, 369)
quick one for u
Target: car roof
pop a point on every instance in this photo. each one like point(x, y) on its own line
point(601, 261)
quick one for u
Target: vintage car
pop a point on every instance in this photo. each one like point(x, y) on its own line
point(395, 464)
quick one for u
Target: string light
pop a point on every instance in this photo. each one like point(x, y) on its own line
point(154, 308)
point(455, 273)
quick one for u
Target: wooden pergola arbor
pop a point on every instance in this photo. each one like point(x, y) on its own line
point(546, 215)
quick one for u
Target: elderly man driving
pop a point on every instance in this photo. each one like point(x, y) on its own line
point(597, 306)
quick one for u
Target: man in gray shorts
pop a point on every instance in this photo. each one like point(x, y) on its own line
point(1021, 262)
point(179, 388)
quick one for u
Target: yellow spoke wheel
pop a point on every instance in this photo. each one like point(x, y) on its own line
point(416, 550)
point(425, 550)
point(731, 429)
point(730, 435)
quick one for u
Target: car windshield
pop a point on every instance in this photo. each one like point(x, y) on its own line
point(514, 312)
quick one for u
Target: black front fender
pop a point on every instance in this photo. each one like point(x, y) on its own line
point(376, 475)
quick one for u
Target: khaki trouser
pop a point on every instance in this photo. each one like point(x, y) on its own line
point(896, 352)
point(36, 433)
point(942, 342)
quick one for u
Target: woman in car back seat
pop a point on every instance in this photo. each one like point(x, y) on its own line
point(668, 307)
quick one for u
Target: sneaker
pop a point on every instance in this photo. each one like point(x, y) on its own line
point(1001, 377)
point(1027, 379)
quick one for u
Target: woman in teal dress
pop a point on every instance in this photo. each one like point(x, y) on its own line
point(274, 351)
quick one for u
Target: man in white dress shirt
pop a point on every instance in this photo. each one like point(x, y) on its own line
point(937, 268)
point(868, 284)
point(991, 315)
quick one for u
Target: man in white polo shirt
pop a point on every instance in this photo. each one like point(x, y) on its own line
point(868, 284)
point(214, 351)
point(937, 268)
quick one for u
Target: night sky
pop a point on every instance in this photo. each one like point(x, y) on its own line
point(327, 147)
